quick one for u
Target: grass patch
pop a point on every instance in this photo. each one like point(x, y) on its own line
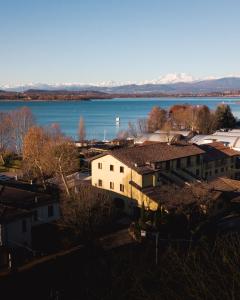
point(12, 165)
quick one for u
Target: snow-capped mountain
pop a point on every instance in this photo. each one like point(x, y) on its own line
point(171, 78)
point(170, 83)
point(166, 79)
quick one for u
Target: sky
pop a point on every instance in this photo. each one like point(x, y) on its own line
point(86, 41)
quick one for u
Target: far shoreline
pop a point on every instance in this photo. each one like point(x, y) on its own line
point(166, 98)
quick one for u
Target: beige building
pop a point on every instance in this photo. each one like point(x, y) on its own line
point(134, 174)
point(220, 160)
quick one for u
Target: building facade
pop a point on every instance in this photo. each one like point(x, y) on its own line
point(15, 227)
point(134, 174)
point(20, 211)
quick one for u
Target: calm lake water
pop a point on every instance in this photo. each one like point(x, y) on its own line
point(100, 115)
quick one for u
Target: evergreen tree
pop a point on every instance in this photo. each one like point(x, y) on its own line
point(224, 117)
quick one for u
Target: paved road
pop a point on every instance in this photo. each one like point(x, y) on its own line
point(117, 239)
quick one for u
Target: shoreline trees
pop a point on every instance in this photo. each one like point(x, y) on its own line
point(197, 118)
point(224, 117)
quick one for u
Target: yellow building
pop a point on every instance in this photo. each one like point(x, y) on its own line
point(220, 160)
point(135, 174)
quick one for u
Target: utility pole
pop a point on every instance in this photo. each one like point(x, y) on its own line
point(157, 237)
point(1, 235)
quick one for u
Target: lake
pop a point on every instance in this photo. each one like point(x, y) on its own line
point(100, 115)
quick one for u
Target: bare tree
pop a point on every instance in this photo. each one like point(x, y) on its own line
point(81, 130)
point(54, 131)
point(5, 134)
point(48, 153)
point(184, 116)
point(87, 209)
point(34, 148)
point(62, 159)
point(204, 120)
point(156, 118)
point(123, 135)
point(132, 130)
point(142, 125)
point(22, 120)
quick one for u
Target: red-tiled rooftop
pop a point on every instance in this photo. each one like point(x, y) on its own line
point(224, 184)
point(22, 198)
point(216, 151)
point(8, 213)
point(141, 155)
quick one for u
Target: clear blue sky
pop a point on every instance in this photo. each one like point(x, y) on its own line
point(96, 40)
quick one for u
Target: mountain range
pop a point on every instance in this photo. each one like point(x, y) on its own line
point(169, 84)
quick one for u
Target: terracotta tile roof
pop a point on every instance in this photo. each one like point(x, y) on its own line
point(143, 170)
point(171, 196)
point(225, 149)
point(225, 184)
point(216, 151)
point(139, 156)
point(23, 199)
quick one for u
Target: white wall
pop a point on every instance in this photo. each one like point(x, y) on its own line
point(12, 235)
point(43, 214)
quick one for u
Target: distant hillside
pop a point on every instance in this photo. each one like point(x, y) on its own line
point(229, 86)
point(54, 95)
point(206, 86)
point(65, 92)
point(160, 86)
